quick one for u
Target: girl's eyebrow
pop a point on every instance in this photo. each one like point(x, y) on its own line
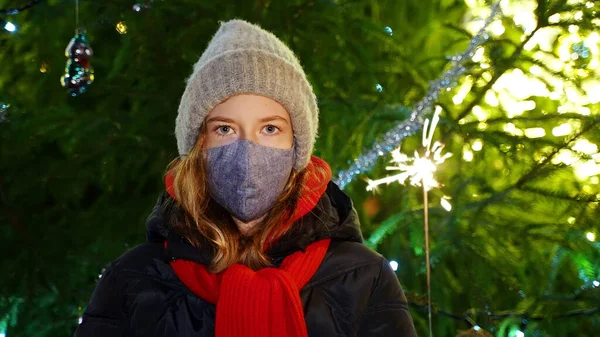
point(272, 118)
point(220, 119)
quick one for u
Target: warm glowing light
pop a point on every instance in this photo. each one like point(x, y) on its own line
point(535, 69)
point(478, 56)
point(574, 29)
point(511, 129)
point(554, 18)
point(497, 28)
point(490, 98)
point(590, 236)
point(121, 27)
point(564, 156)
point(463, 90)
point(467, 155)
point(481, 115)
point(584, 146)
point(585, 169)
point(526, 20)
point(394, 265)
point(592, 90)
point(535, 132)
point(477, 145)
point(562, 130)
point(446, 204)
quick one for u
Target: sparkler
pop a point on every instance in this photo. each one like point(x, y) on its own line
point(419, 171)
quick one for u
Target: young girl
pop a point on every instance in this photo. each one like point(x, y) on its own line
point(250, 237)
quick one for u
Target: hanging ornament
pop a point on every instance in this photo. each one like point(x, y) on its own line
point(79, 74)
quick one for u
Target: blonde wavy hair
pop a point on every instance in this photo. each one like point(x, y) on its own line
point(198, 216)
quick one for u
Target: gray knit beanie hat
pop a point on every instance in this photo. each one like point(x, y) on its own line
point(243, 58)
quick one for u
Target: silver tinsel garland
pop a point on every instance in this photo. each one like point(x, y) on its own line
point(394, 137)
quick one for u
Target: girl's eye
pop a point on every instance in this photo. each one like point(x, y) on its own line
point(223, 130)
point(271, 129)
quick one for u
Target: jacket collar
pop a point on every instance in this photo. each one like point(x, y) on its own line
point(333, 217)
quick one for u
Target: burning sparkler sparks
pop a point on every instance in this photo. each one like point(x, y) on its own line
point(417, 170)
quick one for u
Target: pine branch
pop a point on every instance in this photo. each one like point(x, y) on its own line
point(420, 302)
point(480, 205)
point(558, 195)
point(507, 314)
point(17, 10)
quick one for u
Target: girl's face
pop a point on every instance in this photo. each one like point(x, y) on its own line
point(249, 117)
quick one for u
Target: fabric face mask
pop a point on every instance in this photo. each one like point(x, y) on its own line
point(247, 178)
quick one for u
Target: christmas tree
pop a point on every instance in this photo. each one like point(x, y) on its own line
point(512, 219)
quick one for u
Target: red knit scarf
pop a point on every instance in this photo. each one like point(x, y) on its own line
point(265, 303)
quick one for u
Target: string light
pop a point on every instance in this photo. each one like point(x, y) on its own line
point(519, 333)
point(394, 265)
point(10, 27)
point(590, 236)
point(121, 27)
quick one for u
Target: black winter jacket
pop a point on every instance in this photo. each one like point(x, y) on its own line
point(353, 293)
